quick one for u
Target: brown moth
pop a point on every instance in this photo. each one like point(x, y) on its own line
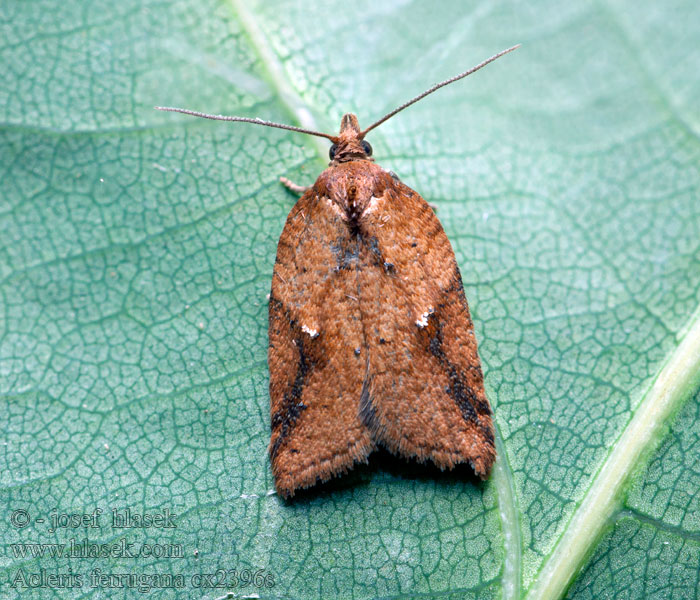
point(371, 341)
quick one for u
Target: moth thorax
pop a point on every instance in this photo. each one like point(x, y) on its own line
point(352, 194)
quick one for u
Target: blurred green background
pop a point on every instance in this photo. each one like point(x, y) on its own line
point(136, 250)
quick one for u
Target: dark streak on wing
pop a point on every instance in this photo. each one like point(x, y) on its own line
point(373, 244)
point(346, 253)
point(459, 392)
point(292, 406)
point(367, 413)
point(465, 398)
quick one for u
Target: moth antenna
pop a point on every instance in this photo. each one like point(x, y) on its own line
point(437, 86)
point(195, 113)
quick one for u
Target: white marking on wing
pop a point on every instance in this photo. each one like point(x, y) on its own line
point(312, 332)
point(422, 321)
point(371, 206)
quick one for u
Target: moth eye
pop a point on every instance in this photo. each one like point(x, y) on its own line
point(331, 152)
point(366, 148)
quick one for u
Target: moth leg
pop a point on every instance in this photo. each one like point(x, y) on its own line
point(294, 187)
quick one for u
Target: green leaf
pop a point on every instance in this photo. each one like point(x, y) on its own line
point(136, 250)
point(652, 549)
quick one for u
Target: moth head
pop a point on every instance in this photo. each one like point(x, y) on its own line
point(350, 143)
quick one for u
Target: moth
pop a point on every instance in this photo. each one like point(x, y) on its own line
point(370, 338)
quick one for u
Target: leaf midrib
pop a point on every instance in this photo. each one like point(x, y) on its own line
point(277, 77)
point(678, 378)
point(510, 523)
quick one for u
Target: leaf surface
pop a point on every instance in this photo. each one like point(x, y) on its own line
point(136, 250)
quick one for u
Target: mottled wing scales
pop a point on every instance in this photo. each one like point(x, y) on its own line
point(316, 378)
point(371, 341)
point(426, 397)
